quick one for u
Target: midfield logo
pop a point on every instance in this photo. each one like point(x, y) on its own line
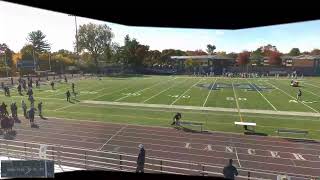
point(244, 86)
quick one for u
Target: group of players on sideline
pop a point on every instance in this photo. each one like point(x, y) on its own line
point(26, 85)
point(293, 75)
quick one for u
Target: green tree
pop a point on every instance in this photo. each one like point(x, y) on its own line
point(37, 39)
point(256, 57)
point(189, 64)
point(167, 53)
point(96, 39)
point(6, 62)
point(27, 52)
point(211, 48)
point(133, 52)
point(294, 52)
point(152, 58)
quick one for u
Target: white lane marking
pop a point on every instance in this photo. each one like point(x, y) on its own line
point(204, 104)
point(112, 137)
point(237, 157)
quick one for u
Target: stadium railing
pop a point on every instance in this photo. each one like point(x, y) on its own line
point(90, 159)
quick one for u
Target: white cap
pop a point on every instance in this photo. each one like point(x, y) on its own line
point(140, 146)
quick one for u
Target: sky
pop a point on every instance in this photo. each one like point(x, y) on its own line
point(17, 21)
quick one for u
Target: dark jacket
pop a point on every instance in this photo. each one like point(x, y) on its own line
point(229, 172)
point(31, 112)
point(141, 157)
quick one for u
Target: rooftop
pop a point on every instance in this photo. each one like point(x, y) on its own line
point(212, 57)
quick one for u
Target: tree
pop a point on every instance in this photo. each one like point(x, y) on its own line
point(256, 57)
point(315, 52)
point(210, 49)
point(152, 58)
point(275, 58)
point(133, 52)
point(96, 39)
point(27, 52)
point(294, 52)
point(37, 39)
point(243, 58)
point(197, 52)
point(221, 53)
point(268, 49)
point(166, 53)
point(232, 55)
point(6, 63)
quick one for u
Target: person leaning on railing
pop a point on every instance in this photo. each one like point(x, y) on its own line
point(230, 171)
point(141, 160)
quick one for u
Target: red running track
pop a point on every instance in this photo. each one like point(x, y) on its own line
point(250, 153)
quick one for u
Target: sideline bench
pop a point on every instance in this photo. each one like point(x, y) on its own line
point(246, 124)
point(292, 131)
point(192, 124)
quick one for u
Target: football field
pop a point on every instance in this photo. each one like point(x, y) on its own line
point(216, 101)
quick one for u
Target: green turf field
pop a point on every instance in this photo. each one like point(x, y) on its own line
point(275, 95)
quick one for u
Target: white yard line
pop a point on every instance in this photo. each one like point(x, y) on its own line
point(109, 93)
point(263, 96)
point(311, 92)
point(292, 97)
point(204, 104)
point(238, 107)
point(163, 91)
point(312, 85)
point(145, 89)
point(64, 107)
point(185, 92)
point(69, 87)
point(112, 137)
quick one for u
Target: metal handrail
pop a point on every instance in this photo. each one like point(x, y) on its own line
point(58, 158)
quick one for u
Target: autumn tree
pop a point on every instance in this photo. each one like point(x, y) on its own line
point(275, 58)
point(243, 58)
point(315, 52)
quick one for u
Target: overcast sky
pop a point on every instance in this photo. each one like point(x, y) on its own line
point(17, 21)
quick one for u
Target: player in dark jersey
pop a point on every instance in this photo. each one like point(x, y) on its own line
point(299, 95)
point(176, 119)
point(52, 85)
point(68, 95)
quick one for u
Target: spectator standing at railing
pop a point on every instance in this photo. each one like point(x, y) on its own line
point(230, 171)
point(141, 159)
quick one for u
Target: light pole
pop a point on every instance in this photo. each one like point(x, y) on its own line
point(50, 60)
point(75, 21)
point(5, 61)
